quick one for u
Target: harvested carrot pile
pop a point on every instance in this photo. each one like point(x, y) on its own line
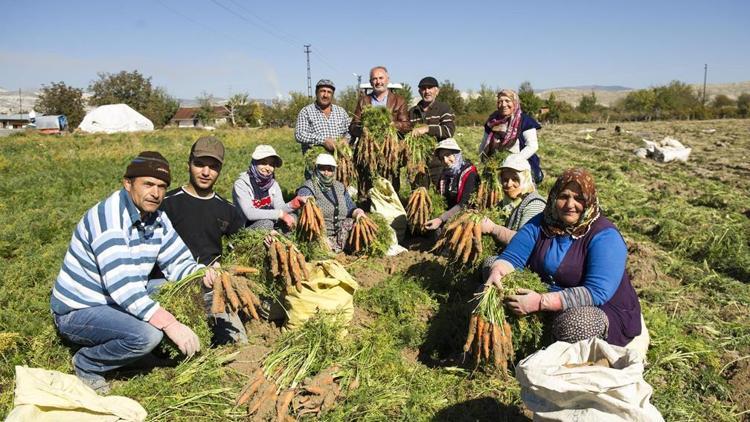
point(311, 226)
point(462, 238)
point(287, 263)
point(363, 234)
point(233, 293)
point(300, 374)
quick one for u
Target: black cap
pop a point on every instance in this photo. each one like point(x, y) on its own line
point(428, 82)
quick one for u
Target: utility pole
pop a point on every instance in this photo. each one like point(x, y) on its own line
point(309, 79)
point(705, 73)
point(20, 104)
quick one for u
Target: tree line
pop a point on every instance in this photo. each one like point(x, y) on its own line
point(675, 100)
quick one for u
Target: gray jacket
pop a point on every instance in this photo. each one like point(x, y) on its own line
point(243, 196)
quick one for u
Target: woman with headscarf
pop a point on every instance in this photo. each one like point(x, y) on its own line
point(334, 201)
point(521, 202)
point(581, 255)
point(510, 129)
point(457, 183)
point(259, 196)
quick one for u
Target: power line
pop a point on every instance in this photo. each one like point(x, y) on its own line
point(209, 27)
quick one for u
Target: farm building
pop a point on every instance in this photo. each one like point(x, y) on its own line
point(14, 121)
point(187, 117)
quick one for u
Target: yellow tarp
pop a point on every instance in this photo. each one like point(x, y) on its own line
point(46, 395)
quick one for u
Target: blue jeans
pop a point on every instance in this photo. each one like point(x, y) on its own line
point(111, 338)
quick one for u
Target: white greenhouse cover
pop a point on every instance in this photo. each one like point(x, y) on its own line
point(115, 118)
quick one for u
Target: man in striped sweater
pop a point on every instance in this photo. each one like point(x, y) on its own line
point(100, 299)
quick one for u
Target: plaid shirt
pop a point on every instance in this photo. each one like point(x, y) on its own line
point(313, 127)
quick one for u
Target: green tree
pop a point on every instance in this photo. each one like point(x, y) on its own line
point(59, 98)
point(554, 108)
point(530, 103)
point(235, 103)
point(743, 105)
point(347, 99)
point(160, 108)
point(722, 106)
point(485, 102)
point(449, 94)
point(131, 88)
point(206, 113)
point(293, 107)
point(587, 104)
point(405, 92)
point(676, 100)
point(135, 90)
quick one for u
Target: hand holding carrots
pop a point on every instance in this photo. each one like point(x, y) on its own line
point(209, 278)
point(498, 270)
point(524, 302)
point(433, 224)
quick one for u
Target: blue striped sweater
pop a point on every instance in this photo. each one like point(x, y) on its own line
point(111, 255)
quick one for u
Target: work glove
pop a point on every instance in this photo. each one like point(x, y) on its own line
point(181, 335)
point(298, 202)
point(524, 302)
point(433, 224)
point(287, 219)
point(358, 213)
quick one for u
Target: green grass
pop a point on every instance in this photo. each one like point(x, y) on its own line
point(693, 217)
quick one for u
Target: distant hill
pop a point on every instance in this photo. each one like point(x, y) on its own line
point(608, 95)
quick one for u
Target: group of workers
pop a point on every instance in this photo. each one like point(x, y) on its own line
point(130, 243)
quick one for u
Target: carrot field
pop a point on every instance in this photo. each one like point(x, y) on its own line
point(687, 226)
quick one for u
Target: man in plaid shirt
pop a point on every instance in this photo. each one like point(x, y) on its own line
point(322, 122)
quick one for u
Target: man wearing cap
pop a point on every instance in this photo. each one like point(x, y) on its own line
point(322, 122)
point(100, 299)
point(202, 217)
point(434, 118)
point(380, 97)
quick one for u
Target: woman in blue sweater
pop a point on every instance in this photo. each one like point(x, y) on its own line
point(581, 255)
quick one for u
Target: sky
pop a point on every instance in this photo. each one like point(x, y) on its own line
point(223, 47)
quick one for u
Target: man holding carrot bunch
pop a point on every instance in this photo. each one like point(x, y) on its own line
point(100, 299)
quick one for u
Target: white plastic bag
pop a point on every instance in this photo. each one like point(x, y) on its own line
point(586, 393)
point(385, 201)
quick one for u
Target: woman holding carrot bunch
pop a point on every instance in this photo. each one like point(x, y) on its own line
point(510, 129)
point(457, 182)
point(334, 201)
point(581, 255)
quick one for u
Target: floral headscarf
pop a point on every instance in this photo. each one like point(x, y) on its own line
point(552, 225)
